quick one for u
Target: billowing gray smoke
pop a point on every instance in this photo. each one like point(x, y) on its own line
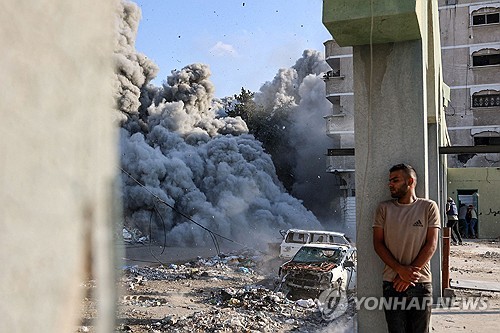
point(204, 166)
point(301, 91)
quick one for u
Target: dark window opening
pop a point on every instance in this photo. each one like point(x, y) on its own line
point(486, 141)
point(486, 19)
point(335, 72)
point(486, 60)
point(493, 18)
point(478, 19)
point(484, 101)
point(463, 158)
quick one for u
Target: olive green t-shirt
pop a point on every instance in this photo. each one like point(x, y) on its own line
point(405, 230)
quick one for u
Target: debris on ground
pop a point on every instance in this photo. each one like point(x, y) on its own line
point(224, 293)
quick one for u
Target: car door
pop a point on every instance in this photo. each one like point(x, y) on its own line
point(351, 271)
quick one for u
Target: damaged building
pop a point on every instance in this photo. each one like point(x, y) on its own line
point(470, 51)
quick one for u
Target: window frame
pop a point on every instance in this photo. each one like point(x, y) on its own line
point(485, 52)
point(485, 12)
point(486, 140)
point(486, 93)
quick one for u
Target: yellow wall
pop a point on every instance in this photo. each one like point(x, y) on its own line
point(487, 182)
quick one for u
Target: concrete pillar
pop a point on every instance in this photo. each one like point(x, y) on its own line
point(391, 128)
point(397, 94)
point(58, 162)
point(434, 97)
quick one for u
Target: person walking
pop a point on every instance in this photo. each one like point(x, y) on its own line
point(405, 236)
point(462, 222)
point(452, 215)
point(472, 217)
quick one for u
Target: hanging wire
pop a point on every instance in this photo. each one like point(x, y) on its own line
point(212, 234)
point(150, 250)
point(164, 228)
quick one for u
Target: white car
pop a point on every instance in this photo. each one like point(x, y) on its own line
point(318, 267)
point(293, 239)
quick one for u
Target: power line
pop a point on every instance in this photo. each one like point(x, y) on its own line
point(212, 234)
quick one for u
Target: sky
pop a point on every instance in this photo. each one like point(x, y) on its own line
point(244, 42)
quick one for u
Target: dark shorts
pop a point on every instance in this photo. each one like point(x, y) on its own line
point(408, 311)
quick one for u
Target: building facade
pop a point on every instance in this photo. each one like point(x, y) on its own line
point(340, 127)
point(470, 50)
point(478, 187)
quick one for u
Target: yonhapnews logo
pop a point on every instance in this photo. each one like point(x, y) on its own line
point(333, 303)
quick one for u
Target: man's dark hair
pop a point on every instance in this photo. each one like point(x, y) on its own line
point(408, 170)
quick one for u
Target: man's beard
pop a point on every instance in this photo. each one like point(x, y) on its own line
point(400, 192)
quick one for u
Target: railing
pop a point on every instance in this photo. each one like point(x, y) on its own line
point(340, 164)
point(331, 74)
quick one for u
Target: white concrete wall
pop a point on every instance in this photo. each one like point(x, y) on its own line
point(58, 159)
point(391, 128)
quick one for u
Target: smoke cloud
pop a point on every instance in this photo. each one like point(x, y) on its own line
point(301, 91)
point(174, 141)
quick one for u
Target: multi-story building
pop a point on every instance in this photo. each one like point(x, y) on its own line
point(470, 51)
point(340, 126)
point(470, 48)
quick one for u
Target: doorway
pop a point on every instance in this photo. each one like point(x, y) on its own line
point(470, 197)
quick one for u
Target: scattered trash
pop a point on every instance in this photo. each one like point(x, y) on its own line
point(244, 270)
point(306, 303)
point(244, 305)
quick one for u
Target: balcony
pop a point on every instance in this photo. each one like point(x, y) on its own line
point(340, 164)
point(339, 124)
point(339, 79)
point(333, 50)
point(332, 74)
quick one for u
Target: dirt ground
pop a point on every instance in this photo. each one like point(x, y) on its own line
point(476, 261)
point(197, 291)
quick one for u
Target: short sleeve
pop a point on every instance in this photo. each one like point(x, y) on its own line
point(379, 217)
point(434, 220)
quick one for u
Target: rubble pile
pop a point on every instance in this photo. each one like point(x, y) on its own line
point(220, 294)
point(231, 319)
point(216, 267)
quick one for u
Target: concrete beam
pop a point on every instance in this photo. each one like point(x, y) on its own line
point(359, 22)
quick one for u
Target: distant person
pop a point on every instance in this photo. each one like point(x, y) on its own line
point(462, 222)
point(471, 216)
point(405, 236)
point(452, 215)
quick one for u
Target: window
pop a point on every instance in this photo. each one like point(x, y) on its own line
point(487, 15)
point(300, 238)
point(485, 99)
point(487, 141)
point(335, 65)
point(487, 138)
point(486, 57)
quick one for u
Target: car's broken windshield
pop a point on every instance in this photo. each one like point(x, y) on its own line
point(307, 254)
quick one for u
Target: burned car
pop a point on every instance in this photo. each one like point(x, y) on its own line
point(318, 267)
point(294, 239)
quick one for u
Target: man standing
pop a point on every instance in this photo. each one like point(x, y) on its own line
point(472, 217)
point(462, 222)
point(452, 223)
point(405, 236)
